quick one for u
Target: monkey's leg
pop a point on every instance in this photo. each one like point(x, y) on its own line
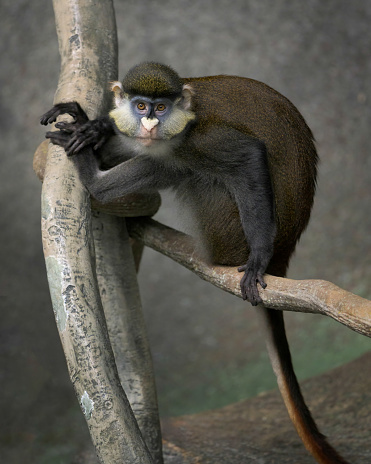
point(253, 193)
point(240, 163)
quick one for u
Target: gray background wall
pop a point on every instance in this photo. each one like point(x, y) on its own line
point(206, 347)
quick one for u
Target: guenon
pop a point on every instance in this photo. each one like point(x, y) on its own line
point(239, 155)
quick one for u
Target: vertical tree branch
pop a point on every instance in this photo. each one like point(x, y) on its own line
point(126, 327)
point(88, 48)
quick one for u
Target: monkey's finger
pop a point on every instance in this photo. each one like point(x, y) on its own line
point(56, 135)
point(46, 117)
point(261, 281)
point(256, 297)
point(79, 138)
point(78, 146)
point(49, 117)
point(242, 268)
point(82, 145)
point(67, 127)
point(244, 285)
point(86, 140)
point(57, 138)
point(74, 138)
point(71, 144)
point(73, 109)
point(100, 143)
point(253, 294)
point(74, 142)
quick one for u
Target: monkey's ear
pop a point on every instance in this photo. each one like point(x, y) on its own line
point(187, 94)
point(118, 92)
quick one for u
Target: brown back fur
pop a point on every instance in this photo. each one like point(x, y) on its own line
point(256, 110)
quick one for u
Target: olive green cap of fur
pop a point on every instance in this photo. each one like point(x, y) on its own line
point(152, 80)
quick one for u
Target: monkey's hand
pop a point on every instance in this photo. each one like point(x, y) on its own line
point(80, 133)
point(71, 108)
point(93, 133)
point(249, 282)
point(63, 136)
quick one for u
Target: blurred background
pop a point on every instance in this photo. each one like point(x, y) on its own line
point(206, 346)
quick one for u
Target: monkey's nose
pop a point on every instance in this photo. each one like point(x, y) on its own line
point(149, 123)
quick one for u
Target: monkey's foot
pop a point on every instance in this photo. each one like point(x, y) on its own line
point(249, 284)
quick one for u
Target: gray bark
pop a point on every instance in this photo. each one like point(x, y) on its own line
point(102, 360)
point(116, 270)
point(88, 48)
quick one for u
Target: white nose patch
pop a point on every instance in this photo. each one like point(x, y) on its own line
point(149, 123)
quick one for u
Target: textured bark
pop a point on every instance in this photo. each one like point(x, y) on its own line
point(134, 205)
point(116, 270)
point(309, 296)
point(88, 48)
point(86, 33)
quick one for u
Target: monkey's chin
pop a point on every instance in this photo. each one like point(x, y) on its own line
point(147, 141)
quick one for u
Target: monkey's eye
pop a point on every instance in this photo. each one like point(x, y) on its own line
point(141, 106)
point(161, 107)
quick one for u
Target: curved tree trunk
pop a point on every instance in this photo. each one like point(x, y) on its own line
point(88, 48)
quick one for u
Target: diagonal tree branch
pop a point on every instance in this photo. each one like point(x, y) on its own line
point(309, 296)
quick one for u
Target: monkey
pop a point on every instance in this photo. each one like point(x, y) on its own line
point(239, 155)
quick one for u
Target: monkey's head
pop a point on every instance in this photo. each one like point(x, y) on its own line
point(151, 104)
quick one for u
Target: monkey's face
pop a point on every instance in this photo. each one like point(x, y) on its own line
point(150, 121)
point(151, 116)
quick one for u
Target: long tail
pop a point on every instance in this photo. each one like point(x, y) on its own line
point(300, 415)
